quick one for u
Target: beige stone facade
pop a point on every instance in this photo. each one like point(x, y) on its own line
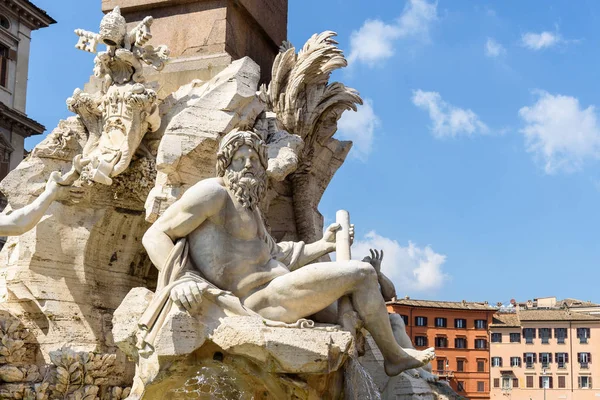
point(539, 351)
point(18, 18)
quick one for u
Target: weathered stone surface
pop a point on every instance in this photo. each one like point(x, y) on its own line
point(127, 315)
point(199, 115)
point(283, 150)
point(283, 350)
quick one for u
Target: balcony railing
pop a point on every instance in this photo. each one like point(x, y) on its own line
point(583, 340)
point(529, 340)
point(529, 364)
point(584, 365)
point(561, 364)
point(444, 373)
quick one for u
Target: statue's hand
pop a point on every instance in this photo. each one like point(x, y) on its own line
point(188, 295)
point(329, 235)
point(60, 192)
point(375, 259)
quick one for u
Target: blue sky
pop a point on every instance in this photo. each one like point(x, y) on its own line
point(476, 163)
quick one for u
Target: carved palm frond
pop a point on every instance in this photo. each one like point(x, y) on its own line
point(307, 105)
point(300, 93)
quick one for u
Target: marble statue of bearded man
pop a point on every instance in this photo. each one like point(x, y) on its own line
point(217, 227)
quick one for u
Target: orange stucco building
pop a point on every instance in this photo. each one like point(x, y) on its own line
point(459, 333)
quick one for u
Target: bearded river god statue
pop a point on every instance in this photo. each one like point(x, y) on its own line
point(212, 244)
point(244, 302)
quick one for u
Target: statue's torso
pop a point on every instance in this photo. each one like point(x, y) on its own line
point(230, 251)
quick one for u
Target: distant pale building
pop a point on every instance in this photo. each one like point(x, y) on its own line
point(543, 347)
point(459, 333)
point(18, 18)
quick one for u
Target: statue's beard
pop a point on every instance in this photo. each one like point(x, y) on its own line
point(248, 190)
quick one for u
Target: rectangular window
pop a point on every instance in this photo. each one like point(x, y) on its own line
point(460, 343)
point(529, 335)
point(496, 382)
point(480, 324)
point(480, 366)
point(460, 365)
point(545, 335)
point(405, 319)
point(440, 322)
point(529, 359)
point(515, 382)
point(529, 382)
point(562, 359)
point(515, 361)
point(421, 321)
point(545, 359)
point(3, 65)
point(585, 382)
point(506, 382)
point(583, 334)
point(560, 334)
point(460, 387)
point(421, 341)
point(562, 382)
point(515, 338)
point(460, 323)
point(496, 361)
point(441, 341)
point(480, 344)
point(496, 338)
point(545, 382)
point(441, 364)
point(480, 386)
point(584, 359)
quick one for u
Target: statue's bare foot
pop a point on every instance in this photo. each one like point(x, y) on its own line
point(414, 359)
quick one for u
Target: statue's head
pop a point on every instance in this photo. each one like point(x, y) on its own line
point(242, 163)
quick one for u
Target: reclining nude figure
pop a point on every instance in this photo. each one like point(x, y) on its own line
point(228, 245)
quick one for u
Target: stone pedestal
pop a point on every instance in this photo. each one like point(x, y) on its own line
point(204, 36)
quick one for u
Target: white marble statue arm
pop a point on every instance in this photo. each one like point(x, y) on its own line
point(321, 247)
point(24, 219)
point(198, 203)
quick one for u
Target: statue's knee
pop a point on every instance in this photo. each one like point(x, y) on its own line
point(363, 270)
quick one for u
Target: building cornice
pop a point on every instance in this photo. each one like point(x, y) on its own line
point(29, 13)
point(23, 123)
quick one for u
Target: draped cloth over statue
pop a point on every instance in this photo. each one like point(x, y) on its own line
point(179, 268)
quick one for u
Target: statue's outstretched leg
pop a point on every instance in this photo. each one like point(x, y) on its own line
point(307, 290)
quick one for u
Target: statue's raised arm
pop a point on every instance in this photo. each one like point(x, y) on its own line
point(24, 219)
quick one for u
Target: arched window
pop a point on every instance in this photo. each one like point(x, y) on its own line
point(4, 22)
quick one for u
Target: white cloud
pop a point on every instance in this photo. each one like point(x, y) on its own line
point(359, 127)
point(374, 41)
point(493, 48)
point(448, 120)
point(538, 41)
point(560, 133)
point(411, 268)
